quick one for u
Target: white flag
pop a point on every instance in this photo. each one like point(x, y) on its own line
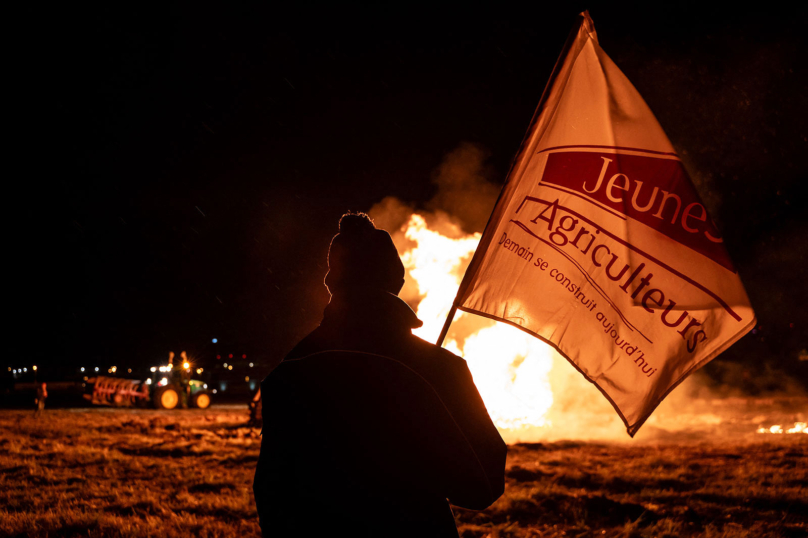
point(600, 246)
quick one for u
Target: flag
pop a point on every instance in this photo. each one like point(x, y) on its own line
point(600, 246)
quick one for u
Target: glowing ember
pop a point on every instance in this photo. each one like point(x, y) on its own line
point(509, 367)
point(799, 427)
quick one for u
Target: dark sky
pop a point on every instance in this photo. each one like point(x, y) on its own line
point(192, 162)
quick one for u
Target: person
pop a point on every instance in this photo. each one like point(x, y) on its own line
point(255, 410)
point(368, 429)
point(41, 396)
point(184, 379)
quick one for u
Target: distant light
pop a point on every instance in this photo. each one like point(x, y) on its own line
point(230, 356)
point(114, 369)
point(148, 381)
point(96, 368)
point(186, 365)
point(25, 369)
point(204, 386)
point(251, 365)
point(15, 371)
point(244, 356)
point(129, 370)
point(9, 368)
point(85, 378)
point(199, 370)
point(153, 368)
point(218, 356)
point(215, 340)
point(225, 365)
point(82, 368)
point(34, 368)
point(247, 378)
point(230, 367)
point(163, 382)
point(215, 391)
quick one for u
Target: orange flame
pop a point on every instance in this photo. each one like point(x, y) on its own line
point(799, 427)
point(509, 367)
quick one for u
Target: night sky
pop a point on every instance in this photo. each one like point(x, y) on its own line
point(190, 164)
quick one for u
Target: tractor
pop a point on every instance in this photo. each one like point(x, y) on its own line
point(164, 390)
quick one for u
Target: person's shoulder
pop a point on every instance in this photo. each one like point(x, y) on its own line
point(438, 354)
point(311, 343)
point(308, 345)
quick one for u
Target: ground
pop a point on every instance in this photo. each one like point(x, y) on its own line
point(113, 472)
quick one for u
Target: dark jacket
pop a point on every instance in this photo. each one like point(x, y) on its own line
point(369, 429)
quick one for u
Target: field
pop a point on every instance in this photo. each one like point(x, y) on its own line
point(105, 472)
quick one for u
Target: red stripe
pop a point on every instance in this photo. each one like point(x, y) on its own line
point(609, 147)
point(583, 197)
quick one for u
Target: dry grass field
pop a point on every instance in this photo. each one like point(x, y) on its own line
point(105, 472)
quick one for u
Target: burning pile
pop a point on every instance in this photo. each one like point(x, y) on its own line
point(529, 390)
point(510, 368)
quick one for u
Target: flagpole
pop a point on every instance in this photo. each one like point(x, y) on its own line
point(445, 329)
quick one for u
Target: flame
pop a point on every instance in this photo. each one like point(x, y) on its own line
point(511, 369)
point(799, 427)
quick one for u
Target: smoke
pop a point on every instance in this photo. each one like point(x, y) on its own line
point(465, 190)
point(464, 198)
point(729, 380)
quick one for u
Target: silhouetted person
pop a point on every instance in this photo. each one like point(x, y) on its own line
point(185, 381)
point(256, 421)
point(41, 396)
point(367, 428)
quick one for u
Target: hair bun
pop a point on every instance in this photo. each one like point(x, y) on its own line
point(356, 224)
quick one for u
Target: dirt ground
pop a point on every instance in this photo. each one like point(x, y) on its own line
point(112, 472)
